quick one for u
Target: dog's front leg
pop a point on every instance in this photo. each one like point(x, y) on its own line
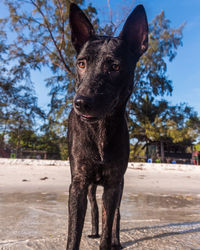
point(94, 211)
point(110, 202)
point(77, 209)
point(116, 221)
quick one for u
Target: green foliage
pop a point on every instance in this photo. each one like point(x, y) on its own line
point(63, 151)
point(150, 75)
point(137, 152)
point(18, 104)
point(49, 142)
point(158, 121)
point(29, 140)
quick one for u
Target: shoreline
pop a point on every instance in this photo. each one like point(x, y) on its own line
point(132, 165)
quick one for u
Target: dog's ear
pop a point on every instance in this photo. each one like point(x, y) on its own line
point(81, 28)
point(135, 31)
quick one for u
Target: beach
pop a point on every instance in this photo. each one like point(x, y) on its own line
point(160, 206)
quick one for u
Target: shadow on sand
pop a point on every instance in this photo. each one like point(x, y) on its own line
point(171, 228)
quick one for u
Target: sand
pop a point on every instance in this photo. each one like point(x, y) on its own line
point(54, 176)
point(159, 210)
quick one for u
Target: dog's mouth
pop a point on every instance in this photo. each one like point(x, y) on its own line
point(89, 118)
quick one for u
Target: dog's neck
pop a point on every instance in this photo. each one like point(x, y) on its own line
point(104, 130)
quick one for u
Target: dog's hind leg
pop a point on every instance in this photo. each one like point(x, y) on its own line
point(77, 209)
point(109, 206)
point(94, 211)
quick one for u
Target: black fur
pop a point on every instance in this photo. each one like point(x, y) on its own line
point(98, 135)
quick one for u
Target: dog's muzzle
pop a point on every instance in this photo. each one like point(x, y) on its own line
point(83, 107)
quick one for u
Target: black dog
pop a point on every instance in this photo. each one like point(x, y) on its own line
point(98, 135)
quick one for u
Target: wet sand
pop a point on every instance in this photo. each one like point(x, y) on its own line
point(160, 207)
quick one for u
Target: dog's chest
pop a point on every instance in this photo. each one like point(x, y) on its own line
point(96, 142)
point(101, 142)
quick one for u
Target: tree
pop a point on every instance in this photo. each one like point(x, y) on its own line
point(46, 144)
point(18, 104)
point(157, 121)
point(53, 143)
point(150, 76)
point(43, 40)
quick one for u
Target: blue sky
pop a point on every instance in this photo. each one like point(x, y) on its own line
point(184, 71)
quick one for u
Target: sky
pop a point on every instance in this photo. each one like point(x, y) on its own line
point(184, 71)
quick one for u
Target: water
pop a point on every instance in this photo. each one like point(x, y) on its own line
point(33, 216)
point(160, 207)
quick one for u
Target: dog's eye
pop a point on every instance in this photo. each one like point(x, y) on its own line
point(116, 67)
point(82, 64)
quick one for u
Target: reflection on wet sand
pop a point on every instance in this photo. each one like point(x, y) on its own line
point(28, 215)
point(161, 207)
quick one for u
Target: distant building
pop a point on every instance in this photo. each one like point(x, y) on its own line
point(29, 154)
point(4, 153)
point(169, 152)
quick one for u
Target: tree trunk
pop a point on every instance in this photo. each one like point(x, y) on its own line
point(162, 151)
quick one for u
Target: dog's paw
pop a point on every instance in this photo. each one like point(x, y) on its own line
point(93, 236)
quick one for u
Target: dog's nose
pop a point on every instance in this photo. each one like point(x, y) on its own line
point(83, 104)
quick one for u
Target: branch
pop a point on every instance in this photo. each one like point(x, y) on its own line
point(60, 7)
point(125, 11)
point(51, 52)
point(52, 37)
point(110, 12)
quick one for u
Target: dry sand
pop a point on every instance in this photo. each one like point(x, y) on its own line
point(54, 176)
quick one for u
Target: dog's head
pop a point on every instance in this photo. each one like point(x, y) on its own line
point(105, 65)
